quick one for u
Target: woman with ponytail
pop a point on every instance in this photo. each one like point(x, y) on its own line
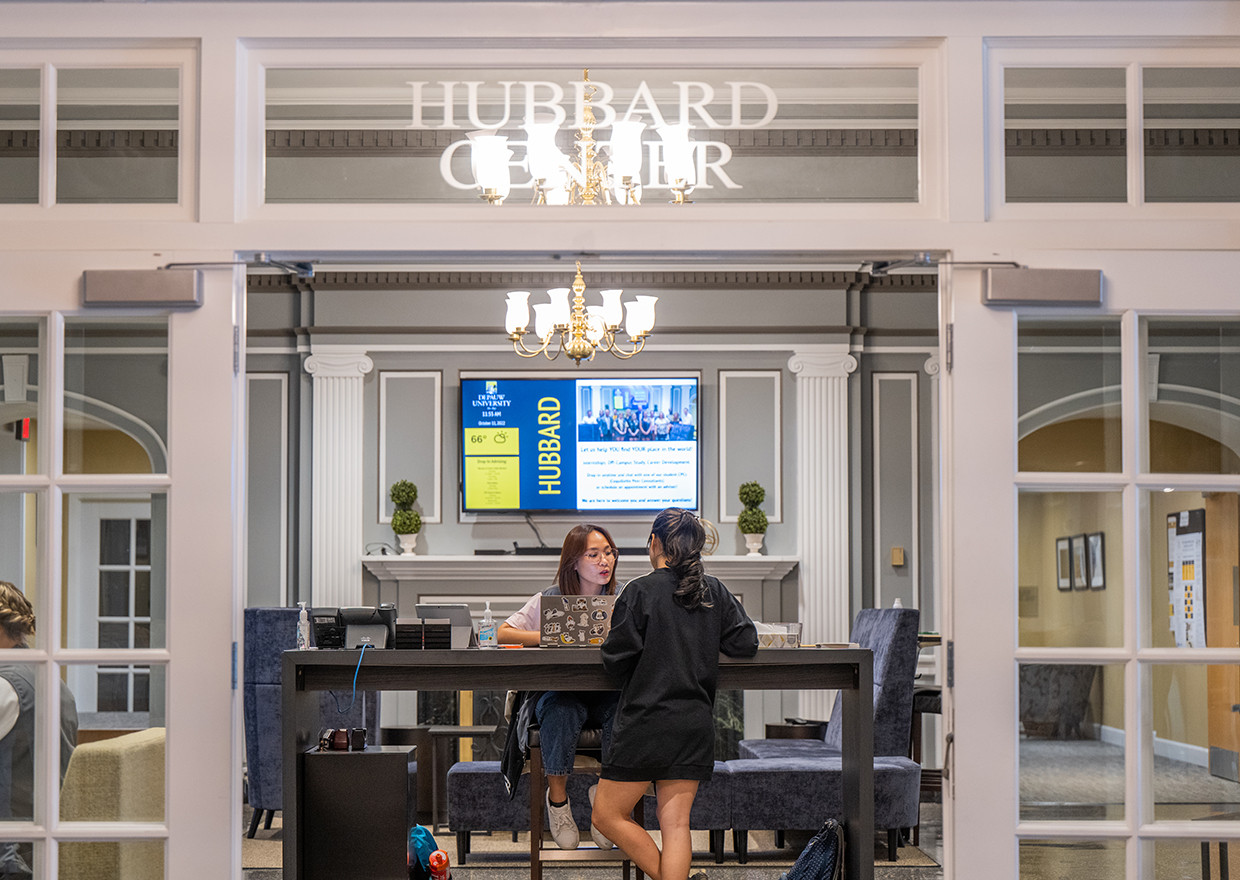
point(667, 632)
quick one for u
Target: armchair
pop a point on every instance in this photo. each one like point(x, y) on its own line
point(786, 784)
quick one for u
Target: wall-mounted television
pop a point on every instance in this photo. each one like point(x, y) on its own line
point(556, 442)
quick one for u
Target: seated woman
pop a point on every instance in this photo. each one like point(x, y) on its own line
point(587, 568)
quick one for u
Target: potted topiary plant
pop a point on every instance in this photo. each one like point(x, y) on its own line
point(406, 522)
point(752, 521)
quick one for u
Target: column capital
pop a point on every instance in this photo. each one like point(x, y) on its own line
point(822, 361)
point(339, 363)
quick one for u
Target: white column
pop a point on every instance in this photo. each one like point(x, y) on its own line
point(822, 373)
point(336, 523)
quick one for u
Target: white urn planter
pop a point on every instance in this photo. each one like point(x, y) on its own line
point(407, 543)
point(753, 542)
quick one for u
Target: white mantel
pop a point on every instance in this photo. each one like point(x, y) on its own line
point(541, 569)
point(508, 580)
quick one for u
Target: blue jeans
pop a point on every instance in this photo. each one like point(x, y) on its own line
point(561, 715)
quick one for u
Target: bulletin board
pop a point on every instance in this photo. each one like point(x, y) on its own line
point(1186, 577)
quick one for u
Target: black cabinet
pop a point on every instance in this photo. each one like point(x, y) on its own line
point(358, 808)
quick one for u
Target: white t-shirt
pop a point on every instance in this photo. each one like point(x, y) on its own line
point(9, 707)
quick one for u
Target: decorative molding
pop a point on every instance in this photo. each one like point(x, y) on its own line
point(416, 143)
point(775, 508)
point(823, 501)
point(540, 570)
point(877, 437)
point(433, 510)
point(337, 445)
point(282, 380)
point(831, 362)
point(341, 363)
point(933, 365)
point(327, 279)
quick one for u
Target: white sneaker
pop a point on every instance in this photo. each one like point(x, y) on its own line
point(563, 825)
point(599, 840)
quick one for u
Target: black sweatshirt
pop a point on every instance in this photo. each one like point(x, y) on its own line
point(666, 660)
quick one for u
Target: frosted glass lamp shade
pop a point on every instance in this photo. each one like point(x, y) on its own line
point(544, 322)
point(645, 314)
point(678, 154)
point(613, 312)
point(559, 305)
point(594, 324)
point(626, 148)
point(517, 317)
point(544, 157)
point(489, 160)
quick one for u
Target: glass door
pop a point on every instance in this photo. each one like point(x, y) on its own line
point(119, 528)
point(1093, 531)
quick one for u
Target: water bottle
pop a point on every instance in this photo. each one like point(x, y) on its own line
point(440, 868)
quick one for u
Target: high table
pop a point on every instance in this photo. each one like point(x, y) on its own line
point(850, 670)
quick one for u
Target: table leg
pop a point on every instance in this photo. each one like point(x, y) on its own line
point(300, 716)
point(435, 783)
point(858, 773)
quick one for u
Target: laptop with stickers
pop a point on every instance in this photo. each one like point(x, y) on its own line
point(574, 621)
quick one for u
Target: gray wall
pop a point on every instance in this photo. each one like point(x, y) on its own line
point(737, 339)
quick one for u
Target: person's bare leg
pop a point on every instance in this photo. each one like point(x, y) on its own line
point(557, 787)
point(613, 808)
point(675, 803)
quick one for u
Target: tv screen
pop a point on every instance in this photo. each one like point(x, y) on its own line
point(619, 443)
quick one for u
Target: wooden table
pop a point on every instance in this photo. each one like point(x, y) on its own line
point(850, 670)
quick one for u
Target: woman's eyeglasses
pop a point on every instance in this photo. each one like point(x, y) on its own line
point(595, 555)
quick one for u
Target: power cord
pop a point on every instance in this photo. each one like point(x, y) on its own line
point(353, 697)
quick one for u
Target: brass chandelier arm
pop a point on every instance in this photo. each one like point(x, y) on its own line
point(614, 347)
point(582, 333)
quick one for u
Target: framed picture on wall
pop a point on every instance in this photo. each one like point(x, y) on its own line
point(1063, 562)
point(1096, 561)
point(1080, 564)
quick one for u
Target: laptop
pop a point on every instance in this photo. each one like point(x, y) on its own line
point(574, 621)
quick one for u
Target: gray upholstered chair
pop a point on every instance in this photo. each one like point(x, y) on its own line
point(1054, 698)
point(269, 632)
point(794, 784)
point(891, 634)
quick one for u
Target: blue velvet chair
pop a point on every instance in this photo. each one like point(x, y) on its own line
point(269, 632)
point(794, 784)
point(891, 634)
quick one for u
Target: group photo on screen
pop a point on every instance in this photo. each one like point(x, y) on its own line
point(613, 413)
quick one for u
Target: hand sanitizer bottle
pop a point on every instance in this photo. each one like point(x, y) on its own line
point(488, 633)
point(303, 629)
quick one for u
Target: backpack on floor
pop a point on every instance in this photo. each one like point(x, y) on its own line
point(823, 856)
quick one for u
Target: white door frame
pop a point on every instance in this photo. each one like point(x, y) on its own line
point(982, 827)
point(204, 528)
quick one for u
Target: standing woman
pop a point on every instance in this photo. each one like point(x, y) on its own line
point(667, 632)
point(587, 568)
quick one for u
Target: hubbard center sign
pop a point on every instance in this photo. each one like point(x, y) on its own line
point(514, 104)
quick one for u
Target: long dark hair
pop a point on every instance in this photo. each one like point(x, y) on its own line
point(682, 536)
point(575, 545)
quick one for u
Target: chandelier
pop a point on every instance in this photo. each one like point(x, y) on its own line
point(578, 330)
point(586, 180)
